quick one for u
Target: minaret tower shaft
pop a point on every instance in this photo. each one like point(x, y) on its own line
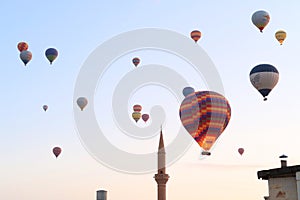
point(161, 177)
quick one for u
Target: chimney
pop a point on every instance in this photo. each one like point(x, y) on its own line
point(283, 160)
point(101, 195)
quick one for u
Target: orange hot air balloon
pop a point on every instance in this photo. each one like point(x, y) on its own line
point(22, 46)
point(241, 151)
point(196, 35)
point(137, 108)
point(56, 151)
point(205, 115)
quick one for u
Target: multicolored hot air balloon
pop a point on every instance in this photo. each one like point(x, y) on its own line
point(51, 54)
point(82, 102)
point(145, 117)
point(187, 90)
point(241, 151)
point(136, 116)
point(137, 108)
point(205, 115)
point(22, 46)
point(195, 35)
point(280, 36)
point(136, 61)
point(25, 56)
point(56, 151)
point(45, 107)
point(264, 78)
point(260, 19)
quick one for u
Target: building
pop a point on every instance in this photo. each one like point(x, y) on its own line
point(161, 177)
point(283, 182)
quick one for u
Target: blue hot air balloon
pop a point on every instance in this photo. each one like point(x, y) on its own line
point(264, 78)
point(187, 90)
point(51, 54)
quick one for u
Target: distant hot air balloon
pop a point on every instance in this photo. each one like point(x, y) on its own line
point(187, 90)
point(51, 54)
point(260, 19)
point(82, 102)
point(280, 36)
point(56, 151)
point(205, 115)
point(136, 61)
point(196, 35)
point(45, 107)
point(264, 78)
point(241, 151)
point(145, 117)
point(137, 108)
point(22, 46)
point(25, 56)
point(136, 116)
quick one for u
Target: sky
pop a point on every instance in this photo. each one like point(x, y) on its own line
point(265, 129)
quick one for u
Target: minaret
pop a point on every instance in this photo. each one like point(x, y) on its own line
point(161, 177)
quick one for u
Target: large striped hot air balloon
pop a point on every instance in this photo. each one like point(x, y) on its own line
point(205, 115)
point(264, 78)
point(260, 19)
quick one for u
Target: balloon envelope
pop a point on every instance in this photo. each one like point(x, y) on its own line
point(196, 35)
point(241, 151)
point(187, 90)
point(260, 19)
point(56, 151)
point(82, 102)
point(137, 108)
point(136, 116)
point(51, 54)
point(22, 46)
point(145, 117)
point(205, 115)
point(136, 61)
point(264, 78)
point(280, 36)
point(25, 56)
point(45, 107)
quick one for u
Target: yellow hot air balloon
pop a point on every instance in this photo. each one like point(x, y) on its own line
point(280, 36)
point(136, 116)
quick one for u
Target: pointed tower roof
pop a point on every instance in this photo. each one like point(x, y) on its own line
point(161, 141)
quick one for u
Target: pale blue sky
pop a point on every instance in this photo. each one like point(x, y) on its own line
point(29, 171)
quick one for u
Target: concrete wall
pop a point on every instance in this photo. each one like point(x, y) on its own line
point(284, 188)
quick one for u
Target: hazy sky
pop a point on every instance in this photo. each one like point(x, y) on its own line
point(28, 169)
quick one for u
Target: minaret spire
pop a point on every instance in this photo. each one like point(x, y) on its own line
point(161, 177)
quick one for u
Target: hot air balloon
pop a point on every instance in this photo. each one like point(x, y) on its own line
point(205, 115)
point(45, 107)
point(51, 54)
point(82, 102)
point(260, 19)
point(145, 117)
point(280, 36)
point(136, 61)
point(195, 35)
point(241, 151)
point(56, 151)
point(187, 90)
point(137, 108)
point(136, 116)
point(25, 56)
point(22, 46)
point(264, 78)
